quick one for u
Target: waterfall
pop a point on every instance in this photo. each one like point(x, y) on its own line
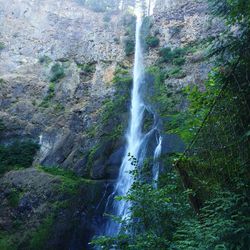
point(136, 141)
point(150, 6)
point(134, 135)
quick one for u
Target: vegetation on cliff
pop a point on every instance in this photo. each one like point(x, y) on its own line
point(212, 212)
point(202, 196)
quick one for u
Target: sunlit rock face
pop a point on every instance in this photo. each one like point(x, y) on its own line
point(67, 33)
point(179, 24)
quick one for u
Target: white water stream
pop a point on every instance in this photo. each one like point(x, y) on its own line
point(134, 137)
point(156, 166)
point(134, 134)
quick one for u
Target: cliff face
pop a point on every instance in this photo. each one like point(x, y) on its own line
point(57, 64)
point(38, 35)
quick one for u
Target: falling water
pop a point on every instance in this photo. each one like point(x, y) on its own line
point(134, 135)
point(136, 140)
point(156, 166)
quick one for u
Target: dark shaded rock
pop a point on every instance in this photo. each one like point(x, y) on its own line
point(114, 162)
point(25, 204)
point(60, 151)
point(172, 144)
point(80, 167)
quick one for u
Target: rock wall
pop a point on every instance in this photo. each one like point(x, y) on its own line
point(39, 34)
point(182, 23)
point(67, 33)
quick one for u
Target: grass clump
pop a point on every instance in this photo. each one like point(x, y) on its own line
point(51, 93)
point(70, 181)
point(57, 72)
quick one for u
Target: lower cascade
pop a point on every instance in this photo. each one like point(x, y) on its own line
point(156, 167)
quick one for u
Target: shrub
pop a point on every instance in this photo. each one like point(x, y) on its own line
point(179, 61)
point(87, 68)
point(13, 198)
point(152, 41)
point(57, 72)
point(18, 154)
point(129, 46)
point(168, 55)
point(6, 242)
point(129, 21)
point(176, 72)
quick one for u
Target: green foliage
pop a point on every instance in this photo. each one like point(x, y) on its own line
point(112, 109)
point(2, 46)
point(175, 72)
point(57, 171)
point(152, 41)
point(91, 156)
point(187, 122)
point(51, 93)
point(179, 61)
point(129, 22)
point(70, 182)
point(156, 211)
point(167, 54)
point(58, 107)
point(147, 39)
point(14, 197)
point(162, 98)
point(223, 224)
point(18, 154)
point(87, 68)
point(6, 242)
point(57, 72)
point(41, 235)
point(234, 11)
point(129, 46)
